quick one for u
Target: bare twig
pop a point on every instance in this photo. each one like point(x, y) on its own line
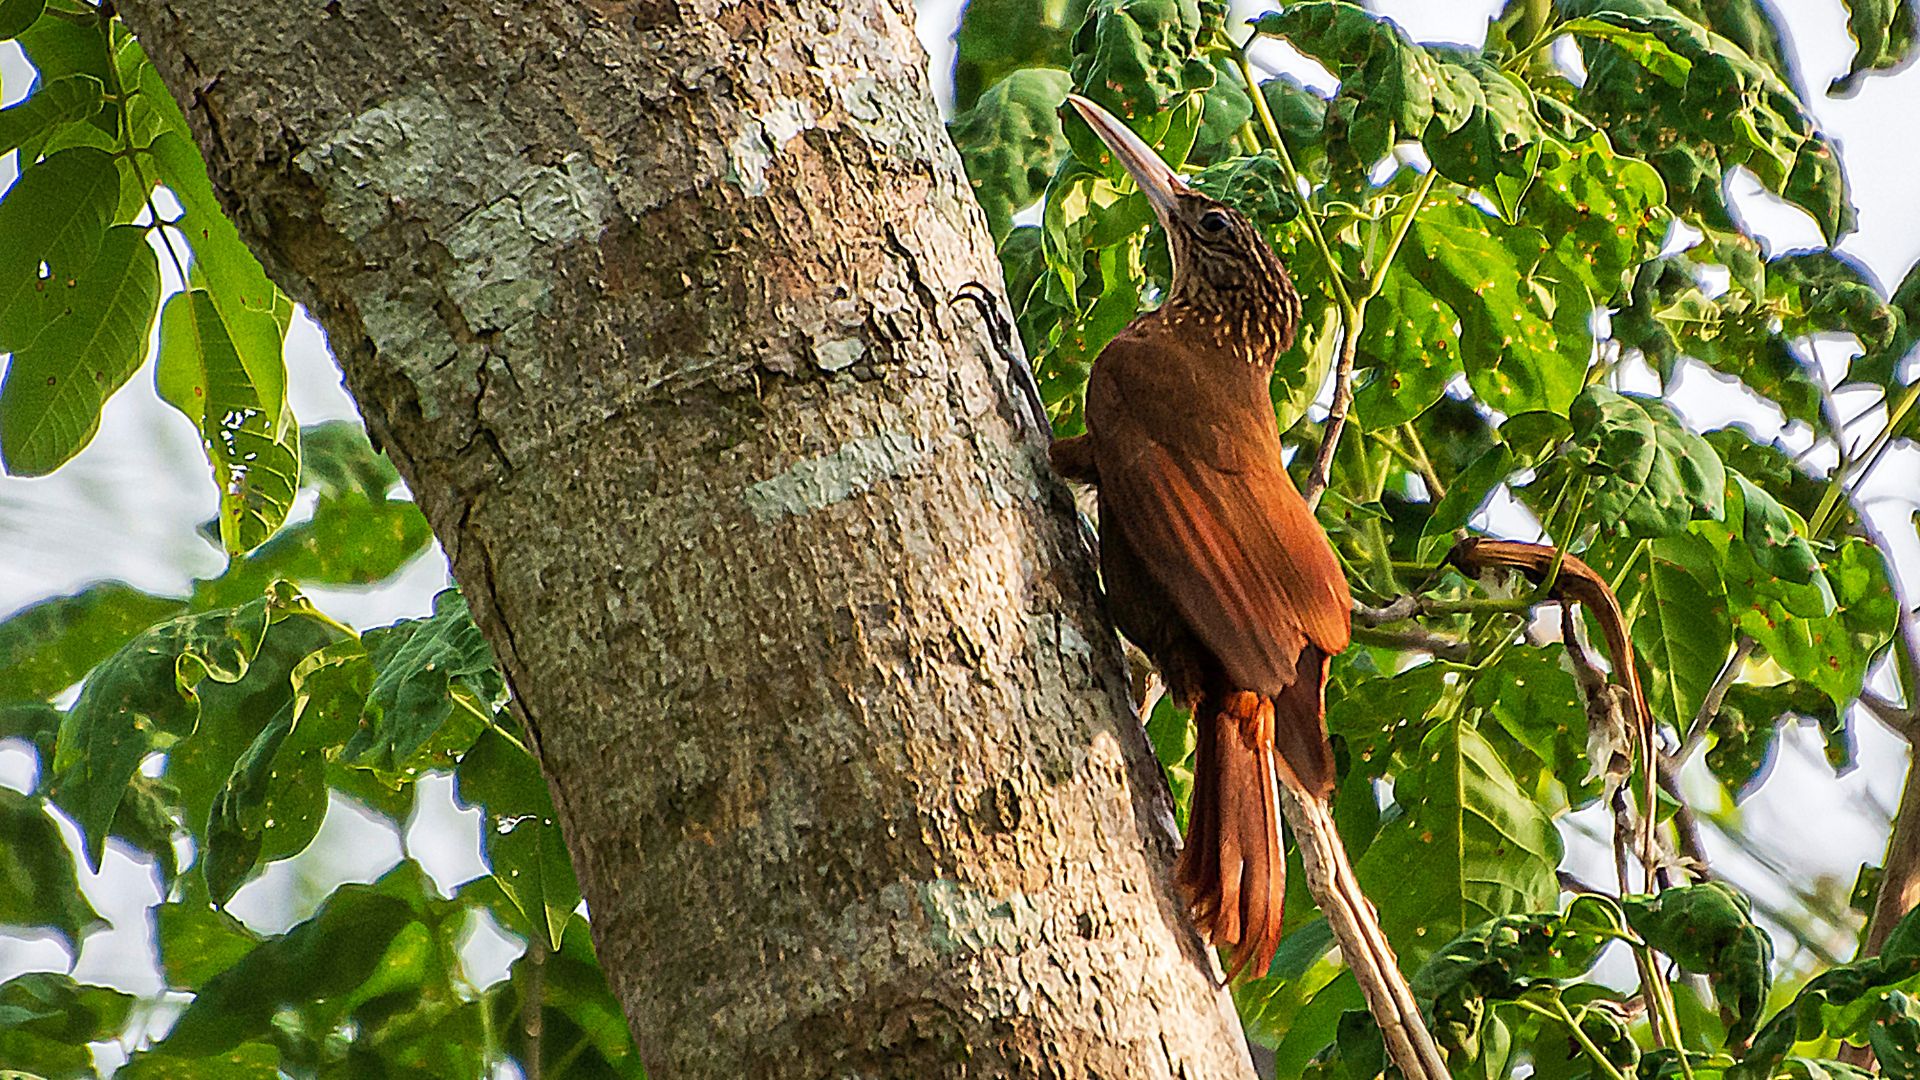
point(1686, 823)
point(1336, 410)
point(1710, 705)
point(1571, 882)
point(1415, 639)
point(1331, 880)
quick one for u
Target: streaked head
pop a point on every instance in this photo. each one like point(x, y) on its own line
point(1223, 270)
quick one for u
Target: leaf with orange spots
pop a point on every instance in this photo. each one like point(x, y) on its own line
point(1469, 845)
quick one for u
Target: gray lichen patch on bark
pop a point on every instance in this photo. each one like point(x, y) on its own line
point(820, 482)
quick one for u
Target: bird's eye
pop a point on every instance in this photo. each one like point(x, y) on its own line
point(1213, 222)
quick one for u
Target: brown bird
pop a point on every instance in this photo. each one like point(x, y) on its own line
point(1212, 562)
point(1214, 565)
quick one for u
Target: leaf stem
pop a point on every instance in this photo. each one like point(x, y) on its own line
point(1561, 1014)
point(1435, 489)
point(1292, 175)
point(1378, 278)
point(1827, 513)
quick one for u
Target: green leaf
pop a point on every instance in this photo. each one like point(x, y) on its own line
point(421, 664)
point(1411, 344)
point(61, 101)
point(34, 722)
point(1390, 88)
point(337, 459)
point(583, 1028)
point(1170, 730)
point(1535, 702)
point(1749, 717)
point(233, 276)
point(1468, 492)
point(1682, 628)
point(59, 47)
point(326, 956)
point(144, 698)
point(1687, 478)
point(1010, 142)
point(1840, 1002)
point(1881, 366)
point(1614, 445)
point(16, 16)
point(1381, 719)
point(1834, 649)
point(51, 645)
point(47, 1020)
point(520, 834)
point(349, 541)
point(1730, 110)
point(55, 215)
point(1825, 292)
point(1515, 358)
point(1709, 930)
point(248, 1061)
point(1775, 537)
point(39, 886)
point(232, 716)
point(198, 941)
point(1884, 31)
point(997, 37)
point(247, 430)
point(261, 795)
point(1135, 57)
point(1641, 46)
point(96, 338)
point(1488, 132)
point(1604, 212)
point(1468, 846)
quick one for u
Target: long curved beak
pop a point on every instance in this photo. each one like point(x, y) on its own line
point(1158, 183)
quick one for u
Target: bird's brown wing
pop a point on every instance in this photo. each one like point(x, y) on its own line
point(1247, 566)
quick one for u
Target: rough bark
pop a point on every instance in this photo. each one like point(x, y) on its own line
point(649, 301)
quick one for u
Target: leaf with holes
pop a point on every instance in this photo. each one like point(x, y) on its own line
point(1513, 353)
point(55, 219)
point(247, 430)
point(1729, 111)
point(1411, 343)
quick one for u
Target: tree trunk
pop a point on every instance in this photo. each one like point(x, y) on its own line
point(650, 303)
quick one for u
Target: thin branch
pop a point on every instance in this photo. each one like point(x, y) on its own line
point(1331, 881)
point(1415, 639)
point(1686, 823)
point(1710, 705)
point(1336, 410)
